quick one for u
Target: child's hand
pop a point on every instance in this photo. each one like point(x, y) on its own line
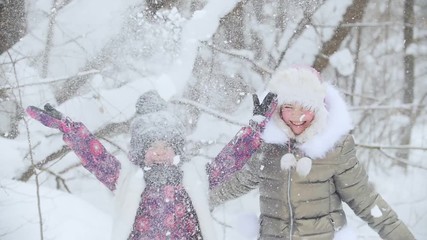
point(263, 108)
point(49, 117)
point(263, 112)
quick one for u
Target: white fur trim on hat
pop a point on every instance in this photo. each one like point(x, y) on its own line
point(300, 85)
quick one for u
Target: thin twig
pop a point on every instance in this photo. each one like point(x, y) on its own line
point(39, 209)
point(302, 25)
point(401, 160)
point(207, 110)
point(388, 107)
point(237, 55)
point(70, 168)
point(59, 180)
point(351, 25)
point(377, 146)
point(61, 79)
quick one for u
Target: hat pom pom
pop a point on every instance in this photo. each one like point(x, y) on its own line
point(176, 160)
point(304, 166)
point(287, 161)
point(150, 102)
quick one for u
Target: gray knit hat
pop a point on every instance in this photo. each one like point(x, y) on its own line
point(150, 101)
point(154, 122)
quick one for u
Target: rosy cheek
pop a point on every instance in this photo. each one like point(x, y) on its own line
point(309, 116)
point(148, 156)
point(170, 153)
point(285, 115)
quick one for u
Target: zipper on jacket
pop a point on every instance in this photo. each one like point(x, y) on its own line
point(291, 147)
point(291, 213)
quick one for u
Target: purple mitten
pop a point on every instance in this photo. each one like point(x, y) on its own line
point(49, 117)
point(86, 146)
point(263, 112)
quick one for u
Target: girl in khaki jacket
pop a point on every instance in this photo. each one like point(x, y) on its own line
point(307, 166)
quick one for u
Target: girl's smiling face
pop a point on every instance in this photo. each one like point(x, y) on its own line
point(296, 117)
point(160, 152)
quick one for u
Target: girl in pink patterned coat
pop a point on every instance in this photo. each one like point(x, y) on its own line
point(158, 196)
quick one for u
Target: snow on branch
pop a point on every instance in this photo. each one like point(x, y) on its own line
point(55, 80)
point(378, 146)
point(402, 160)
point(240, 56)
point(387, 107)
point(207, 110)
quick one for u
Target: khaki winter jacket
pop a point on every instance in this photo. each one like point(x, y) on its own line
point(310, 207)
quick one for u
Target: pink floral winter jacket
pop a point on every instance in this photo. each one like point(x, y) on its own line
point(165, 209)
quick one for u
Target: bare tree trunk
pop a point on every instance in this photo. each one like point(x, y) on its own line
point(281, 16)
point(57, 6)
point(12, 27)
point(409, 59)
point(356, 65)
point(68, 89)
point(12, 23)
point(353, 14)
point(409, 65)
point(233, 25)
point(48, 45)
point(154, 5)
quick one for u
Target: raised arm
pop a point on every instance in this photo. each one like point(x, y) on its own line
point(245, 143)
point(93, 155)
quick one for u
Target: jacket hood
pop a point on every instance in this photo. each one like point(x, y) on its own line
point(327, 129)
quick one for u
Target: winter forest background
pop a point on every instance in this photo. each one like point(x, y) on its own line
point(93, 58)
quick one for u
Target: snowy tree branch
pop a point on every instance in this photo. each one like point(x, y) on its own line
point(56, 80)
point(207, 110)
point(302, 25)
point(404, 161)
point(262, 69)
point(378, 146)
point(351, 25)
point(387, 107)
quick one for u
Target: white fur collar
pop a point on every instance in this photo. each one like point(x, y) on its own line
point(131, 184)
point(321, 137)
point(127, 197)
point(196, 184)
